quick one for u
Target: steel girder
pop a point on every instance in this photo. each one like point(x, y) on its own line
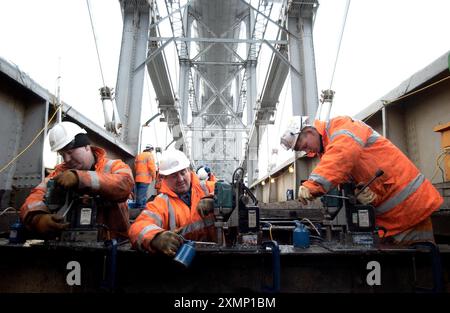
point(130, 81)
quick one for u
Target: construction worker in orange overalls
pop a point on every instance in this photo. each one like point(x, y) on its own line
point(403, 198)
point(85, 169)
point(145, 174)
point(181, 210)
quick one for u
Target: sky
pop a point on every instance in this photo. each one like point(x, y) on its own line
point(385, 42)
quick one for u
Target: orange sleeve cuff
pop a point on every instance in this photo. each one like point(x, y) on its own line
point(315, 188)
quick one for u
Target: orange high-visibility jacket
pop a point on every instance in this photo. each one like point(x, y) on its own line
point(207, 185)
point(352, 149)
point(145, 167)
point(157, 183)
point(168, 212)
point(212, 178)
point(112, 180)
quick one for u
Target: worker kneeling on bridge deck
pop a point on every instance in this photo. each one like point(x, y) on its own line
point(403, 198)
point(177, 212)
point(87, 170)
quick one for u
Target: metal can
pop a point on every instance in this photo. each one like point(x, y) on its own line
point(289, 194)
point(16, 233)
point(185, 253)
point(300, 236)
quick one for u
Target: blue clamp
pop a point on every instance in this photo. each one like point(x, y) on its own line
point(275, 266)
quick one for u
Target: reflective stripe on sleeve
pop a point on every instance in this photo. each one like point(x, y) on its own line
point(33, 205)
point(154, 216)
point(95, 181)
point(172, 224)
point(108, 166)
point(143, 232)
point(197, 226)
point(326, 184)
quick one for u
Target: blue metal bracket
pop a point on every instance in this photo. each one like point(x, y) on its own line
point(436, 265)
point(275, 266)
point(110, 266)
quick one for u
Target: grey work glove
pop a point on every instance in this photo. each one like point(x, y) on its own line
point(205, 206)
point(167, 242)
point(366, 197)
point(304, 195)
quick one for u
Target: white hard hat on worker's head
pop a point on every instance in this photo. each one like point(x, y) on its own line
point(172, 161)
point(202, 174)
point(62, 134)
point(290, 136)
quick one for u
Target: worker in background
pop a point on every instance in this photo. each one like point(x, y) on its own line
point(85, 169)
point(179, 211)
point(145, 174)
point(403, 198)
point(210, 176)
point(207, 179)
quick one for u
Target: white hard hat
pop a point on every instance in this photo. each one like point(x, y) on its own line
point(62, 134)
point(173, 161)
point(202, 174)
point(290, 136)
point(149, 147)
point(289, 139)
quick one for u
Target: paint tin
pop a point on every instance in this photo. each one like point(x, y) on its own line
point(186, 253)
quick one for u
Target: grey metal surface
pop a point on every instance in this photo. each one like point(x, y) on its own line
point(301, 55)
point(23, 116)
point(130, 81)
point(30, 86)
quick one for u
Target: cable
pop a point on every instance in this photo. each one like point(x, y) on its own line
point(309, 221)
point(7, 209)
point(340, 40)
point(233, 180)
point(385, 102)
point(439, 160)
point(250, 193)
point(325, 247)
point(316, 237)
point(270, 229)
point(95, 40)
point(32, 141)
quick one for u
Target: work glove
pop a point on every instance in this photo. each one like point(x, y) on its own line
point(304, 195)
point(48, 224)
point(167, 242)
point(366, 197)
point(205, 206)
point(67, 179)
